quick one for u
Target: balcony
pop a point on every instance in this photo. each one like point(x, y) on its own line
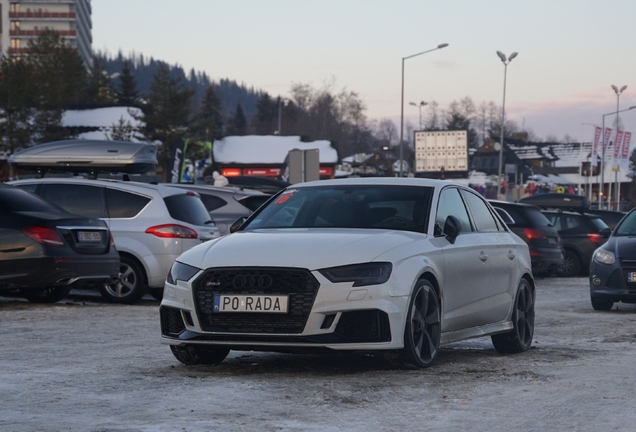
point(35, 33)
point(42, 15)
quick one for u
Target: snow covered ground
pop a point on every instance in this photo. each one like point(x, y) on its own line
point(85, 365)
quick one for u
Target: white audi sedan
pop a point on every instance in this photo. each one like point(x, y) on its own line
point(396, 265)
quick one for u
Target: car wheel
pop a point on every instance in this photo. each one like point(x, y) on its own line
point(199, 354)
point(571, 265)
point(423, 330)
point(46, 295)
point(520, 338)
point(156, 293)
point(602, 305)
point(130, 285)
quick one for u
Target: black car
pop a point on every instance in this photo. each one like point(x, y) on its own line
point(582, 233)
point(610, 217)
point(534, 228)
point(613, 267)
point(46, 251)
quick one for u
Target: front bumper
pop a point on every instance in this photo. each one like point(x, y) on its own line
point(609, 282)
point(338, 317)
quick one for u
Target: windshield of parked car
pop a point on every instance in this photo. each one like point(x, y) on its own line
point(627, 226)
point(360, 206)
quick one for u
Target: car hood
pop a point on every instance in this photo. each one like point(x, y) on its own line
point(624, 247)
point(307, 248)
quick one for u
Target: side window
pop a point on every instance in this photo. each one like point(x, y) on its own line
point(484, 220)
point(572, 222)
point(450, 203)
point(212, 202)
point(124, 204)
point(28, 187)
point(555, 220)
point(82, 200)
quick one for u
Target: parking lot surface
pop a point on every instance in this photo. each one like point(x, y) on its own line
point(86, 365)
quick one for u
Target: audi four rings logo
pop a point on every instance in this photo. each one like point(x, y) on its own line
point(252, 280)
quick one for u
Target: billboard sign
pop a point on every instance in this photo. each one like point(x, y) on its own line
point(435, 150)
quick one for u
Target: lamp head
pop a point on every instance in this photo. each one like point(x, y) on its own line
point(423, 103)
point(502, 56)
point(513, 55)
point(623, 88)
point(440, 46)
point(412, 103)
point(615, 88)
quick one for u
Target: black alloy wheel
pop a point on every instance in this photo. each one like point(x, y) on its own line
point(571, 265)
point(46, 295)
point(519, 338)
point(423, 329)
point(130, 285)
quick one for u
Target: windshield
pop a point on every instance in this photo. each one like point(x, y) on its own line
point(360, 206)
point(627, 226)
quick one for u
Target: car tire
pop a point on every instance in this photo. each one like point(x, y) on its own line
point(130, 286)
point(519, 339)
point(199, 354)
point(571, 265)
point(423, 329)
point(46, 295)
point(602, 305)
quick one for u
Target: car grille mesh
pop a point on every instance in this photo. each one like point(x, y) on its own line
point(298, 284)
point(628, 265)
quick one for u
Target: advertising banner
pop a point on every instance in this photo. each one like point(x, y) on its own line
point(625, 152)
point(597, 138)
point(606, 139)
point(618, 142)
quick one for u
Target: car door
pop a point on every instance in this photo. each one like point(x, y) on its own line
point(501, 247)
point(465, 265)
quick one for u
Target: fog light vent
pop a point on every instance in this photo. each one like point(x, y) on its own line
point(596, 281)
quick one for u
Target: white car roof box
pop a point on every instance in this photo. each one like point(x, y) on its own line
point(87, 156)
point(579, 203)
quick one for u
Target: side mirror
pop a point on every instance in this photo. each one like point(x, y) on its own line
point(236, 225)
point(452, 228)
point(605, 232)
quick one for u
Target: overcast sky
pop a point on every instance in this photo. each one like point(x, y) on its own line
point(570, 51)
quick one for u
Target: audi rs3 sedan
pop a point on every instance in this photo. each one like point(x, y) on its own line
point(613, 267)
point(45, 251)
point(396, 265)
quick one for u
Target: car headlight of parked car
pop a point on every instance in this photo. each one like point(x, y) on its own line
point(360, 274)
point(604, 257)
point(180, 271)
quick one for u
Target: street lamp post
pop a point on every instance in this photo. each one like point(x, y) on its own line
point(420, 105)
point(280, 106)
point(440, 46)
point(505, 61)
point(602, 186)
point(618, 124)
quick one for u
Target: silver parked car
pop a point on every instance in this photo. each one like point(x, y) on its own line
point(371, 264)
point(226, 204)
point(150, 224)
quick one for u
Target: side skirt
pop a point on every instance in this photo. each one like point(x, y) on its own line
point(475, 332)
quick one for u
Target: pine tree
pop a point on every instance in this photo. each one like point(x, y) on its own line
point(209, 123)
point(17, 101)
point(237, 124)
point(167, 113)
point(265, 122)
point(98, 85)
point(127, 92)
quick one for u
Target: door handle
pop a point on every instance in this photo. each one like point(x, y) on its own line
point(483, 257)
point(511, 255)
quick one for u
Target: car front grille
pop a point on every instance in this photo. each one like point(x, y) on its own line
point(628, 265)
point(298, 284)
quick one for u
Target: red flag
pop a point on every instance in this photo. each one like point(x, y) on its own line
point(618, 142)
point(597, 137)
point(625, 156)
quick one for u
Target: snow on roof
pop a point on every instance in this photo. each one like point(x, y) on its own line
point(101, 117)
point(267, 149)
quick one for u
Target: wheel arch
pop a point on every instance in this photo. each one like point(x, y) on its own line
point(137, 261)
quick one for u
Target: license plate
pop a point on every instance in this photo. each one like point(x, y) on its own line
point(251, 303)
point(631, 276)
point(89, 236)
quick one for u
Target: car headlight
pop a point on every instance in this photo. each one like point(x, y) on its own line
point(359, 274)
point(604, 257)
point(180, 271)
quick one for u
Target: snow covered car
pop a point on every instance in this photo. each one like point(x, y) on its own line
point(386, 264)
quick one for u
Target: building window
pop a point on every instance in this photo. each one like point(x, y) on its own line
point(14, 7)
point(15, 25)
point(15, 43)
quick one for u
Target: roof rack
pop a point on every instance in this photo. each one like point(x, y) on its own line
point(559, 201)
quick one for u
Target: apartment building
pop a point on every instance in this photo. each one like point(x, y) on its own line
point(22, 20)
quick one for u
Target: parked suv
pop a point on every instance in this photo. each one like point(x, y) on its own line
point(534, 228)
point(582, 233)
point(226, 204)
point(150, 224)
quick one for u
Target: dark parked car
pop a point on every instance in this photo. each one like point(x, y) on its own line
point(582, 234)
point(263, 184)
point(46, 251)
point(613, 267)
point(226, 204)
point(534, 228)
point(611, 218)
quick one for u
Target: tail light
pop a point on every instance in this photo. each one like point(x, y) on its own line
point(172, 231)
point(533, 233)
point(596, 238)
point(112, 240)
point(44, 235)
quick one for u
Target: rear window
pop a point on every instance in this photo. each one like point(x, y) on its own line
point(22, 201)
point(536, 218)
point(255, 201)
point(212, 202)
point(124, 204)
point(187, 208)
point(598, 223)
